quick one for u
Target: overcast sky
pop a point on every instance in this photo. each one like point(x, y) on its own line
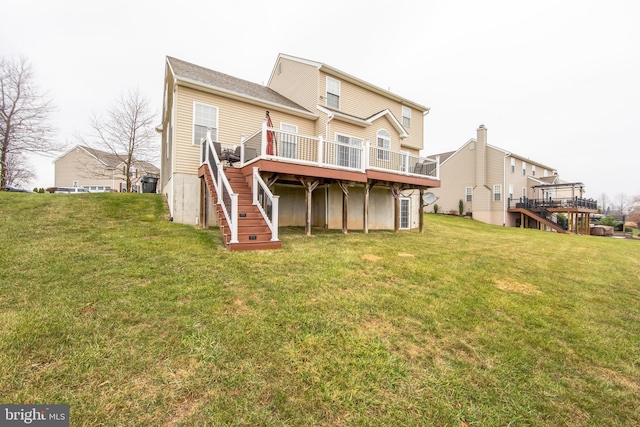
point(555, 81)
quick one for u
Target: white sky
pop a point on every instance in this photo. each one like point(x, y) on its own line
point(555, 81)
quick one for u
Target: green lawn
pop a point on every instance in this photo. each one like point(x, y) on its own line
point(137, 321)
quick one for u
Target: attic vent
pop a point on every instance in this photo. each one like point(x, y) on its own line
point(472, 146)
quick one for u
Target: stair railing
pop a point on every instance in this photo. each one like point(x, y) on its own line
point(266, 202)
point(227, 199)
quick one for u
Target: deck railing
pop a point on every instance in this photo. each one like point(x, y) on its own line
point(565, 202)
point(318, 151)
point(266, 202)
point(226, 197)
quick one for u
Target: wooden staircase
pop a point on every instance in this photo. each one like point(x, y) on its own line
point(253, 231)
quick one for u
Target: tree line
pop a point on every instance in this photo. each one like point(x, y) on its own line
point(125, 130)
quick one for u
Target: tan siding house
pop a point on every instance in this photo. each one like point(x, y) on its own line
point(343, 162)
point(501, 188)
point(98, 171)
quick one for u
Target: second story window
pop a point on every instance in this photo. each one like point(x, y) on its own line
point(513, 165)
point(469, 194)
point(333, 93)
point(384, 142)
point(497, 193)
point(406, 116)
point(204, 117)
point(533, 170)
point(524, 168)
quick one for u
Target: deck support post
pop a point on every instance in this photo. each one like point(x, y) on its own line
point(344, 186)
point(396, 189)
point(309, 184)
point(421, 212)
point(367, 190)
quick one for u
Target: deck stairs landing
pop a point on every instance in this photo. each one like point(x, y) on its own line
point(253, 231)
point(542, 218)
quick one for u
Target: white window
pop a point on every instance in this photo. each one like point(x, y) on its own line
point(405, 213)
point(533, 170)
point(406, 116)
point(347, 156)
point(497, 193)
point(204, 117)
point(384, 142)
point(546, 172)
point(524, 168)
point(510, 191)
point(289, 143)
point(333, 93)
point(513, 165)
point(469, 194)
point(524, 193)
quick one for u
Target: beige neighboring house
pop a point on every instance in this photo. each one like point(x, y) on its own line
point(338, 152)
point(99, 171)
point(499, 187)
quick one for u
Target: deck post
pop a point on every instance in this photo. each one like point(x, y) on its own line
point(344, 186)
point(309, 184)
point(421, 212)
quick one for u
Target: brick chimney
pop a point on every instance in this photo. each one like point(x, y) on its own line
point(481, 156)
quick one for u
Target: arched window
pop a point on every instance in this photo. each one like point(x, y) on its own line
point(383, 144)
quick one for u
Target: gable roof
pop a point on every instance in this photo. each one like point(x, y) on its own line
point(231, 86)
point(445, 156)
point(368, 121)
point(112, 161)
point(352, 79)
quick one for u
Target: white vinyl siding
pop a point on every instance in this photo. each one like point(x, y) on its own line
point(469, 194)
point(406, 116)
point(497, 193)
point(289, 143)
point(333, 93)
point(204, 117)
point(405, 204)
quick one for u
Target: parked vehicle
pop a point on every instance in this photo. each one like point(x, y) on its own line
point(15, 190)
point(71, 190)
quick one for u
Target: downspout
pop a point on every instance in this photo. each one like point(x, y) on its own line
point(504, 189)
point(326, 193)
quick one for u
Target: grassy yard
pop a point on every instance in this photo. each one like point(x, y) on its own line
point(137, 321)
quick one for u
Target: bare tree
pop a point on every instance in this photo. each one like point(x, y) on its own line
point(620, 203)
point(19, 172)
point(634, 210)
point(126, 131)
point(604, 201)
point(24, 117)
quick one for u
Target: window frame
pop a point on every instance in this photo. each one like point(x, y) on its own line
point(524, 168)
point(214, 138)
point(405, 214)
point(513, 165)
point(468, 194)
point(352, 154)
point(293, 142)
point(382, 155)
point(497, 193)
point(336, 95)
point(407, 122)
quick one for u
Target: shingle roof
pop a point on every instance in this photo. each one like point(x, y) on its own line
point(111, 160)
point(229, 83)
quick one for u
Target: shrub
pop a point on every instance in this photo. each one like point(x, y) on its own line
point(628, 230)
point(435, 208)
point(609, 220)
point(35, 189)
point(460, 207)
point(41, 190)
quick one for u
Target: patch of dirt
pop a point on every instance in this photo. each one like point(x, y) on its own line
point(370, 258)
point(513, 286)
point(402, 254)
